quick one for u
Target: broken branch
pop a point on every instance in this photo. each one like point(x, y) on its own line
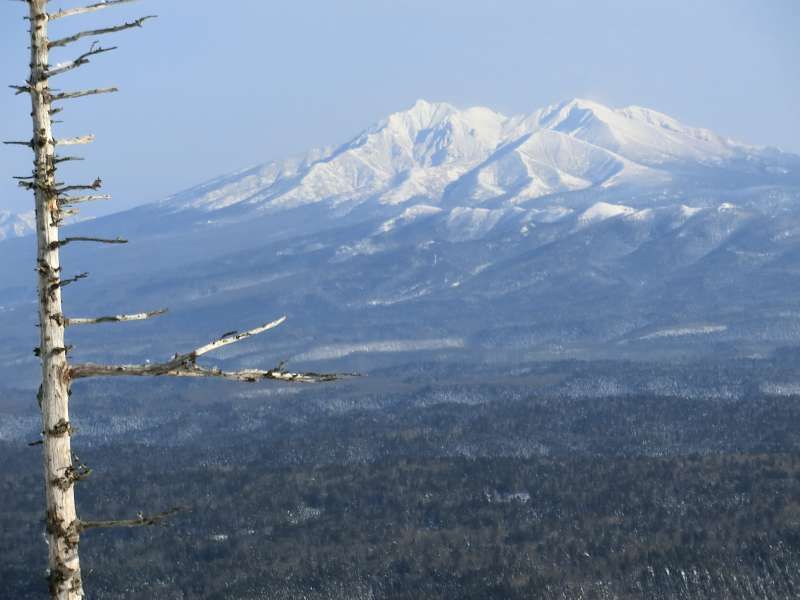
point(60, 159)
point(93, 32)
point(73, 64)
point(140, 520)
point(66, 282)
point(234, 337)
point(85, 139)
point(69, 240)
point(181, 367)
point(72, 475)
point(70, 200)
point(115, 318)
point(82, 93)
point(21, 89)
point(71, 12)
point(95, 185)
point(185, 365)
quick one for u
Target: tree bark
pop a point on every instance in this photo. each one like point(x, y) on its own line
point(62, 523)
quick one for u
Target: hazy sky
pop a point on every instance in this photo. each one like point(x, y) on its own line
point(212, 87)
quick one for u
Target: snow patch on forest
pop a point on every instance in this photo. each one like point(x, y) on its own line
point(334, 351)
point(681, 331)
point(781, 389)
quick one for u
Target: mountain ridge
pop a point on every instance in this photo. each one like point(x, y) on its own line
point(433, 149)
point(436, 154)
point(453, 235)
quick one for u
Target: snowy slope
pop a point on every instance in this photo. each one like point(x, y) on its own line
point(642, 135)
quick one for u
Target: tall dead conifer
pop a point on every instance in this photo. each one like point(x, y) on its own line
point(54, 201)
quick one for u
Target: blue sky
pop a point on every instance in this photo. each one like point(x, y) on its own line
point(213, 87)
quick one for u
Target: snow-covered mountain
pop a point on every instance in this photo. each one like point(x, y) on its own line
point(439, 233)
point(15, 225)
point(436, 154)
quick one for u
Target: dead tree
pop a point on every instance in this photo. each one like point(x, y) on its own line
point(54, 201)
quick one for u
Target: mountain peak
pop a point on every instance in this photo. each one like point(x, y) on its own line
point(423, 115)
point(422, 105)
point(584, 103)
point(570, 111)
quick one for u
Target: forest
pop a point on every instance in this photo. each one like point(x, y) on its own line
point(432, 486)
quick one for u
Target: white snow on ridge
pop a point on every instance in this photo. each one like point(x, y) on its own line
point(641, 215)
point(248, 185)
point(549, 214)
point(409, 215)
point(472, 223)
point(689, 211)
point(601, 211)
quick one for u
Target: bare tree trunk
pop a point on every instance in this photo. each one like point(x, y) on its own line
point(53, 203)
point(62, 523)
